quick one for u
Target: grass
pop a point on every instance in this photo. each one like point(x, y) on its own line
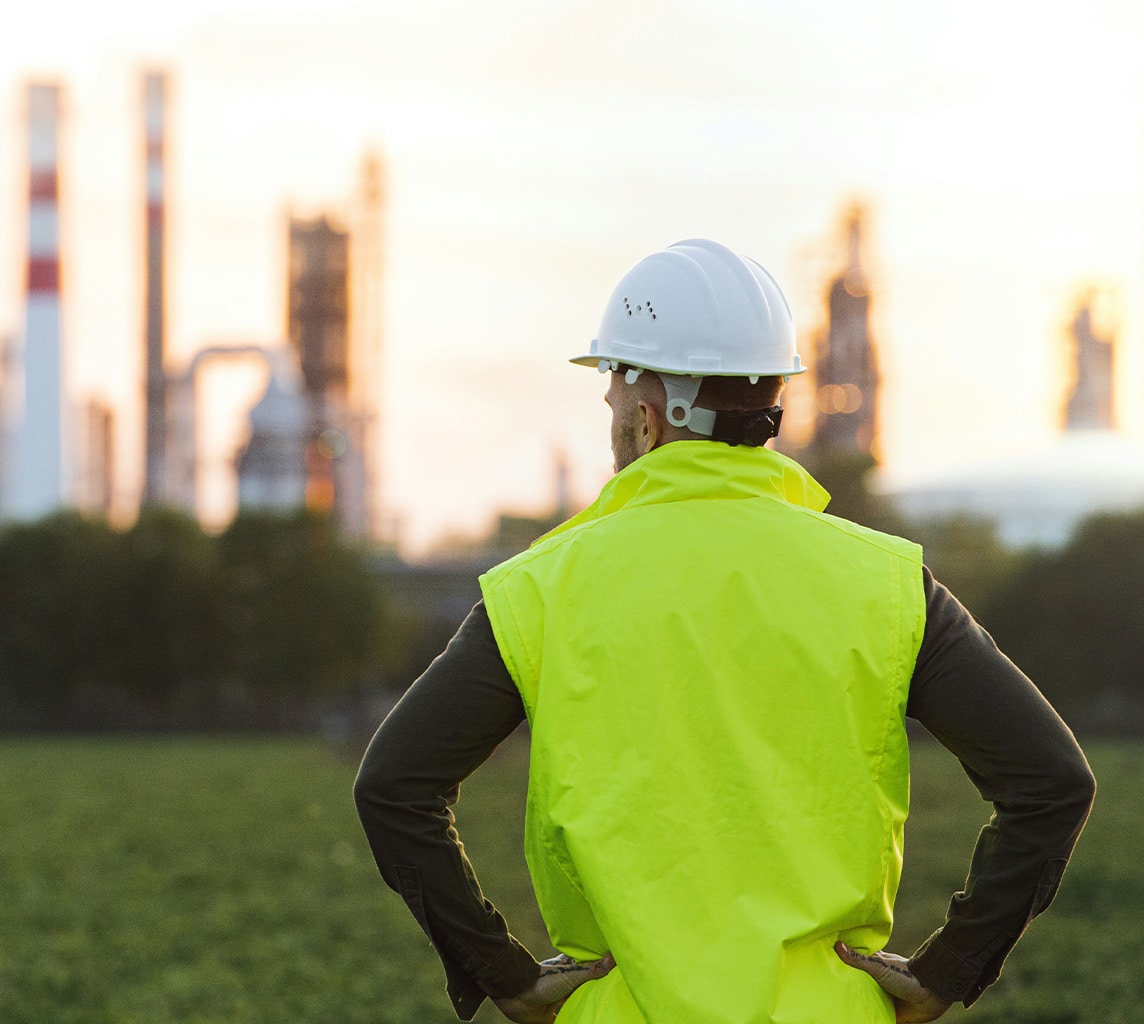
point(195, 881)
point(202, 880)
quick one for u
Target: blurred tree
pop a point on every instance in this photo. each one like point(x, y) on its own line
point(165, 642)
point(1072, 620)
point(54, 582)
point(304, 614)
point(163, 625)
point(966, 554)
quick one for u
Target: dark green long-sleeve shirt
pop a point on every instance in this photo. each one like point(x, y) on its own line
point(1013, 746)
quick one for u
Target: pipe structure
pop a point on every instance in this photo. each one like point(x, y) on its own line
point(183, 412)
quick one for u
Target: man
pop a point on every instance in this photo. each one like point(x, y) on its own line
point(716, 676)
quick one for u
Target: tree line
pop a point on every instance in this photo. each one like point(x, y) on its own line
point(279, 619)
point(165, 626)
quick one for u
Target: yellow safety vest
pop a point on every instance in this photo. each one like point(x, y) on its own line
point(715, 674)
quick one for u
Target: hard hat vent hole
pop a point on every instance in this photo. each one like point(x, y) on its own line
point(639, 308)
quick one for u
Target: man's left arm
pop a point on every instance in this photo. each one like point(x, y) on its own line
point(1025, 761)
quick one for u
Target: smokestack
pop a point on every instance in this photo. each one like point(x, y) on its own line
point(154, 101)
point(35, 483)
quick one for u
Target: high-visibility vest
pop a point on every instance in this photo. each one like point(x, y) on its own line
point(715, 675)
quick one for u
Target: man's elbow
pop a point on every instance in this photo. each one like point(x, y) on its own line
point(1075, 787)
point(1084, 787)
point(363, 786)
point(374, 784)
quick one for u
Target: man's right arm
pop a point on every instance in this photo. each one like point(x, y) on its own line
point(1025, 761)
point(446, 725)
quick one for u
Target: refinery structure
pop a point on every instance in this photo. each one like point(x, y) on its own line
point(312, 434)
point(846, 379)
point(1036, 498)
point(844, 357)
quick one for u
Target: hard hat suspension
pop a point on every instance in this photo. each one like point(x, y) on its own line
point(752, 427)
point(681, 391)
point(631, 373)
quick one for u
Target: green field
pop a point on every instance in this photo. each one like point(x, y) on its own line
point(190, 880)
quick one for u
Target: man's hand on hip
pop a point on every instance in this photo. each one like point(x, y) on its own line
point(560, 976)
point(913, 1002)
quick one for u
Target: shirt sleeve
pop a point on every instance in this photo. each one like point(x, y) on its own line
point(444, 727)
point(1024, 760)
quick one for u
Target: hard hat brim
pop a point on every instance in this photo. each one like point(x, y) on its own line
point(594, 359)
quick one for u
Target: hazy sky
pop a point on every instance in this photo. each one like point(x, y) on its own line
point(535, 151)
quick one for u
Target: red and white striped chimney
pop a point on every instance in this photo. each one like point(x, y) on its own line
point(36, 485)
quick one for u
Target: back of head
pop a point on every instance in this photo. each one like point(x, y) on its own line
point(739, 393)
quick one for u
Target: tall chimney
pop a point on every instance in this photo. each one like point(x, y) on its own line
point(154, 483)
point(35, 483)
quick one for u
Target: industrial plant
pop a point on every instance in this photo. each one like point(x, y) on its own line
point(312, 438)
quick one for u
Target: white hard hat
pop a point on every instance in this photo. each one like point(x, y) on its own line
point(697, 309)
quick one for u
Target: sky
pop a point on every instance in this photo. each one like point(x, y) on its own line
point(535, 151)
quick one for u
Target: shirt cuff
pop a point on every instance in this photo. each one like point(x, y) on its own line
point(947, 974)
point(509, 974)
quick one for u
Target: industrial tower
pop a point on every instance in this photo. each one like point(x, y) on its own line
point(154, 111)
point(367, 251)
point(34, 459)
point(1090, 403)
point(317, 324)
point(333, 322)
point(845, 363)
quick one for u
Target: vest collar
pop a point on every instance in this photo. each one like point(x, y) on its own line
point(686, 470)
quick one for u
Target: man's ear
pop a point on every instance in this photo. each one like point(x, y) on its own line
point(651, 426)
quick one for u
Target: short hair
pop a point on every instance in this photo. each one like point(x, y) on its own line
point(739, 394)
